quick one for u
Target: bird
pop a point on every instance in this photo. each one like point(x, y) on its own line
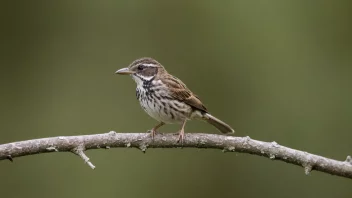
point(166, 98)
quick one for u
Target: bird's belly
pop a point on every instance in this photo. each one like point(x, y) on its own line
point(166, 111)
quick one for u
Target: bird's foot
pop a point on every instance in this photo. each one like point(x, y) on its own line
point(181, 137)
point(153, 130)
point(152, 133)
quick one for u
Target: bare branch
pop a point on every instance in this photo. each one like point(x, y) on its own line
point(142, 141)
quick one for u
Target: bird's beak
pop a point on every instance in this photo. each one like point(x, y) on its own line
point(124, 71)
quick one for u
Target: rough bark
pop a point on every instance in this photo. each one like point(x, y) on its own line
point(143, 141)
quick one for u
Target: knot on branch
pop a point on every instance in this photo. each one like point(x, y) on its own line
point(52, 148)
point(307, 169)
point(349, 160)
point(143, 147)
point(229, 149)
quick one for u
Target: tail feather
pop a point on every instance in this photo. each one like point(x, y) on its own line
point(220, 125)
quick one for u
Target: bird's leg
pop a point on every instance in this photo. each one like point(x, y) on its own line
point(153, 130)
point(181, 135)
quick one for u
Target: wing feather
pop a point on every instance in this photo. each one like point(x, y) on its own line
point(180, 92)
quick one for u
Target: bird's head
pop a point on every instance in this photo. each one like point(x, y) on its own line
point(143, 69)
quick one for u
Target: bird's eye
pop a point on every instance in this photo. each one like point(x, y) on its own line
point(140, 67)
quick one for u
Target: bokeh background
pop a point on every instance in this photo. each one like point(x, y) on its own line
point(274, 70)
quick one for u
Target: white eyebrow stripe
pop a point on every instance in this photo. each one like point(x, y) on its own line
point(150, 65)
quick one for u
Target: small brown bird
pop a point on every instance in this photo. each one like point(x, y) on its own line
point(166, 98)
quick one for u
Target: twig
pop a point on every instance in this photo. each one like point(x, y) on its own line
point(79, 151)
point(143, 141)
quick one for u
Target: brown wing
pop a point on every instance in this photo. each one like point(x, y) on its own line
point(180, 92)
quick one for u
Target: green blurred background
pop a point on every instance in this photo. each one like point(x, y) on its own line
point(274, 70)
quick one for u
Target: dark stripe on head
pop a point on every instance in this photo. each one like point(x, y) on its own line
point(148, 71)
point(145, 61)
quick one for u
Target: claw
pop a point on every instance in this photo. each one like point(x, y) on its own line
point(152, 133)
point(153, 130)
point(181, 137)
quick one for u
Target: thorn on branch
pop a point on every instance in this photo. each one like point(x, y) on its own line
point(79, 151)
point(308, 169)
point(9, 157)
